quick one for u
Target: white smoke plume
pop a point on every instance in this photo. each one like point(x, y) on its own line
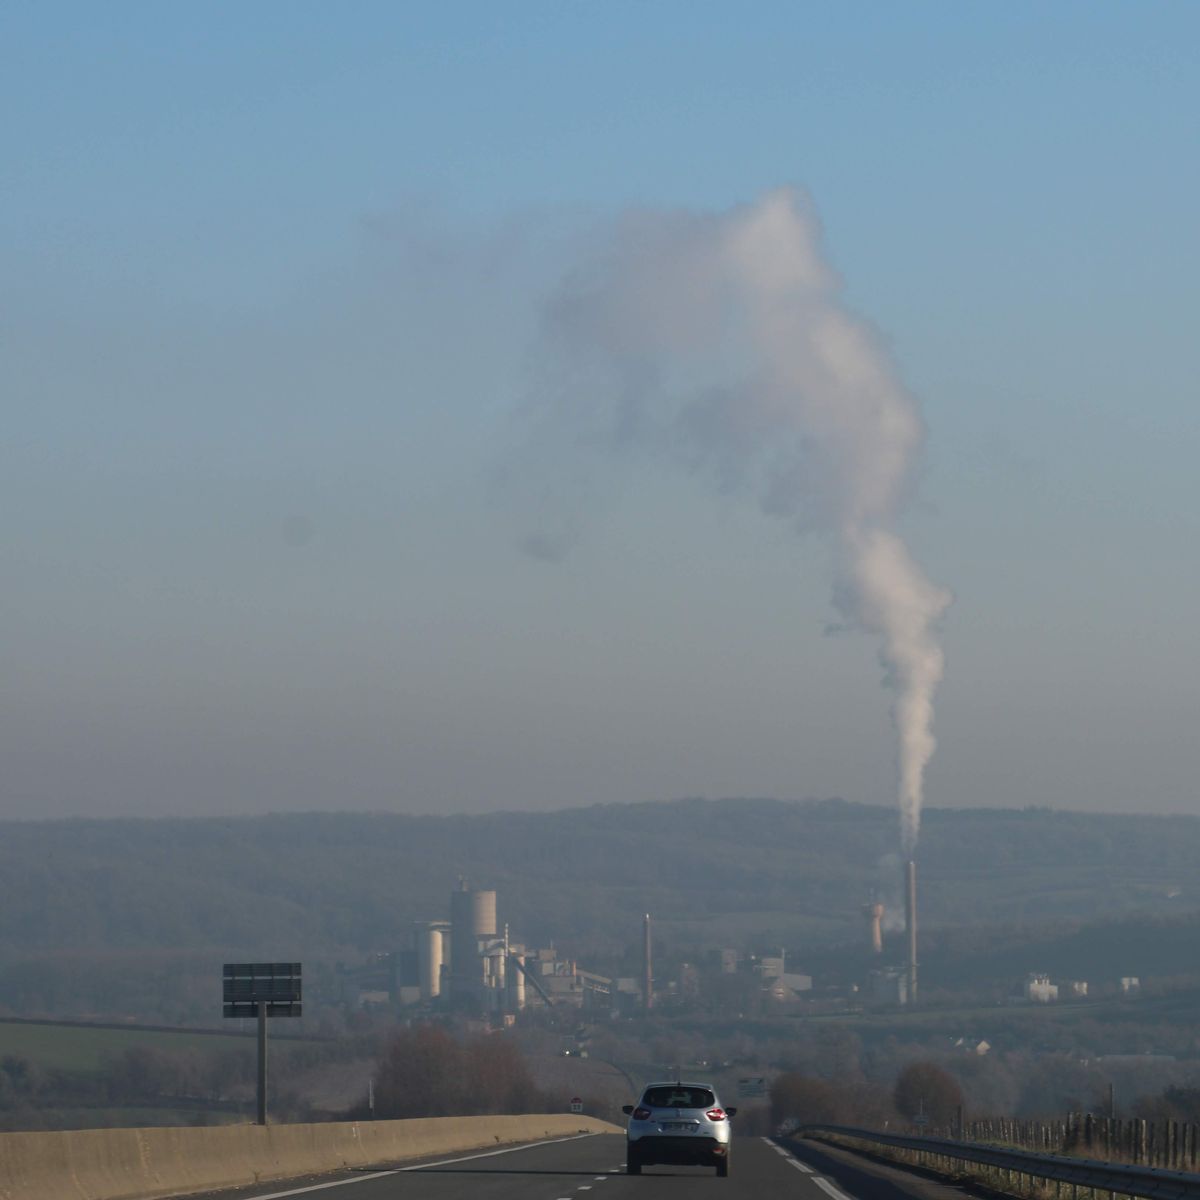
point(720, 341)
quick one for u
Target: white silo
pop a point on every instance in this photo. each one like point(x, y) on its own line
point(516, 984)
point(472, 918)
point(430, 956)
point(483, 914)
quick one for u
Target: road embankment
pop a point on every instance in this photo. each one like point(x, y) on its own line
point(148, 1164)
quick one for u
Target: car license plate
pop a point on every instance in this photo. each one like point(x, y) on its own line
point(681, 1125)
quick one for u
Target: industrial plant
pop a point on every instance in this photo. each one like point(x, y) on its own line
point(470, 964)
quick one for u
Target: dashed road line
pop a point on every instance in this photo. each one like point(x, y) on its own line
point(366, 1177)
point(445, 1162)
point(834, 1193)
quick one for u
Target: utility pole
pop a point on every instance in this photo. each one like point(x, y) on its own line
point(648, 974)
point(262, 1062)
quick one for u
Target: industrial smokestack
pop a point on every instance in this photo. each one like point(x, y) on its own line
point(722, 343)
point(648, 973)
point(910, 925)
point(874, 914)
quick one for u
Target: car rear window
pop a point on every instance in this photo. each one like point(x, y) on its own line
point(678, 1096)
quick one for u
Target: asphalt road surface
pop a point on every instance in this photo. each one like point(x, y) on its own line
point(593, 1168)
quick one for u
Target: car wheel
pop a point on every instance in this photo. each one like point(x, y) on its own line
point(633, 1164)
point(722, 1168)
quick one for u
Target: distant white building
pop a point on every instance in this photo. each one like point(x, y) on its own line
point(1039, 990)
point(787, 987)
point(1079, 988)
point(1130, 984)
point(378, 997)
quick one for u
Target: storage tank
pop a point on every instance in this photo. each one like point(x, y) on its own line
point(874, 915)
point(472, 917)
point(483, 914)
point(516, 984)
point(430, 956)
point(474, 913)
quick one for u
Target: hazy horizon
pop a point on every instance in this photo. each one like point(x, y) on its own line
point(279, 535)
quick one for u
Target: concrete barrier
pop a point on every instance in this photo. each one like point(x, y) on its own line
point(148, 1164)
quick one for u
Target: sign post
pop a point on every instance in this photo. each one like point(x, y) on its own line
point(262, 990)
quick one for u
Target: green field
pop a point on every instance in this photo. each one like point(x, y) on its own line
point(79, 1048)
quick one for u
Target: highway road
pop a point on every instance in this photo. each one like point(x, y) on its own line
point(593, 1168)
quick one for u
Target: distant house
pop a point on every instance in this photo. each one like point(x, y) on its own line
point(378, 997)
point(1130, 985)
point(770, 968)
point(1039, 989)
point(973, 1046)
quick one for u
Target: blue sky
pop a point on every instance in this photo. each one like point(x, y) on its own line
point(270, 281)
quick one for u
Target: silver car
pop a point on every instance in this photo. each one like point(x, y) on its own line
point(680, 1123)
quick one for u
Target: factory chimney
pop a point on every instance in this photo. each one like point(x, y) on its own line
point(874, 914)
point(647, 971)
point(910, 925)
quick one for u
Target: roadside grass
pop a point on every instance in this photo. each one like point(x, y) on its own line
point(78, 1048)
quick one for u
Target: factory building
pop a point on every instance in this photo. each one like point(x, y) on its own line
point(469, 964)
point(887, 988)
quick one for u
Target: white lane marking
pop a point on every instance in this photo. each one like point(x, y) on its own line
point(320, 1187)
point(601, 1178)
point(828, 1188)
point(799, 1165)
point(468, 1157)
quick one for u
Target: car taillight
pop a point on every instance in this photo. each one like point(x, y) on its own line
point(715, 1114)
point(641, 1114)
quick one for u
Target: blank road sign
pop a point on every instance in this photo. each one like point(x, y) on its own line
point(273, 985)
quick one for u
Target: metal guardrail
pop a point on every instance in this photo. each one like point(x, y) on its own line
point(1154, 1183)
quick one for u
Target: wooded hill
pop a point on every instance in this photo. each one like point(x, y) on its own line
point(100, 912)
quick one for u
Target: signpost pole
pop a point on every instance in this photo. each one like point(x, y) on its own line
point(262, 1062)
point(261, 990)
